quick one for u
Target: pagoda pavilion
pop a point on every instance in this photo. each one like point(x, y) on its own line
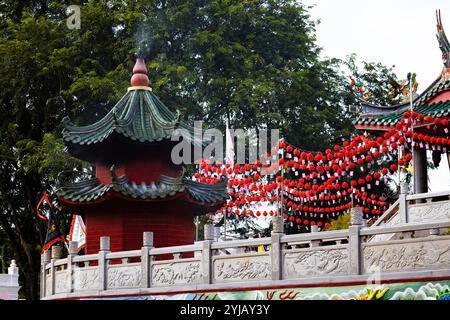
point(428, 118)
point(136, 187)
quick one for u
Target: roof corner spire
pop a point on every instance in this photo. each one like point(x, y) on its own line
point(139, 78)
point(444, 44)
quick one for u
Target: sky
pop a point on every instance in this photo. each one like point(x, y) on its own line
point(400, 33)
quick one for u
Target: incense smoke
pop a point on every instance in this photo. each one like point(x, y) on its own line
point(143, 40)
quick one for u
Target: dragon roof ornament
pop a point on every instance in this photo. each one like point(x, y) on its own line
point(444, 45)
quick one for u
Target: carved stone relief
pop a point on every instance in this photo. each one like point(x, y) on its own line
point(176, 273)
point(407, 256)
point(124, 276)
point(429, 212)
point(61, 279)
point(48, 285)
point(246, 268)
point(86, 279)
point(316, 263)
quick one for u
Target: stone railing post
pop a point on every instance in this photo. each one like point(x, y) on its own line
point(13, 273)
point(73, 248)
point(275, 247)
point(146, 268)
point(56, 254)
point(45, 259)
point(73, 251)
point(314, 243)
point(354, 241)
point(12, 269)
point(403, 206)
point(102, 263)
point(216, 234)
point(206, 253)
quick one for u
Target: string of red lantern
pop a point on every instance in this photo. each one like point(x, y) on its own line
point(247, 188)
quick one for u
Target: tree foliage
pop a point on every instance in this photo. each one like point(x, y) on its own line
point(342, 222)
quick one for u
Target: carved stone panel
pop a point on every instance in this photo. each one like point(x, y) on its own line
point(429, 212)
point(86, 278)
point(242, 268)
point(166, 274)
point(124, 276)
point(48, 284)
point(407, 255)
point(61, 279)
point(323, 262)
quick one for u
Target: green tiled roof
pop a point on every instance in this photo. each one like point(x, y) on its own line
point(139, 116)
point(438, 109)
point(390, 116)
point(207, 192)
point(92, 189)
point(432, 91)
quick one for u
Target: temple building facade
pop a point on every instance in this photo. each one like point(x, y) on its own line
point(428, 115)
point(136, 187)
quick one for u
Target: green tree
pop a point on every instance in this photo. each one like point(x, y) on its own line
point(376, 77)
point(342, 222)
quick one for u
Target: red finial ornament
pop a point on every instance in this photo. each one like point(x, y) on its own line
point(139, 78)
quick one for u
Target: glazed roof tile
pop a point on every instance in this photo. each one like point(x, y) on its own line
point(92, 189)
point(139, 116)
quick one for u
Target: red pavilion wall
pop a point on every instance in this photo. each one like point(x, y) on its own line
point(171, 223)
point(146, 169)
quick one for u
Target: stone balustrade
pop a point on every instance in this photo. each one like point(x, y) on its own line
point(417, 208)
point(318, 257)
point(9, 283)
point(420, 207)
